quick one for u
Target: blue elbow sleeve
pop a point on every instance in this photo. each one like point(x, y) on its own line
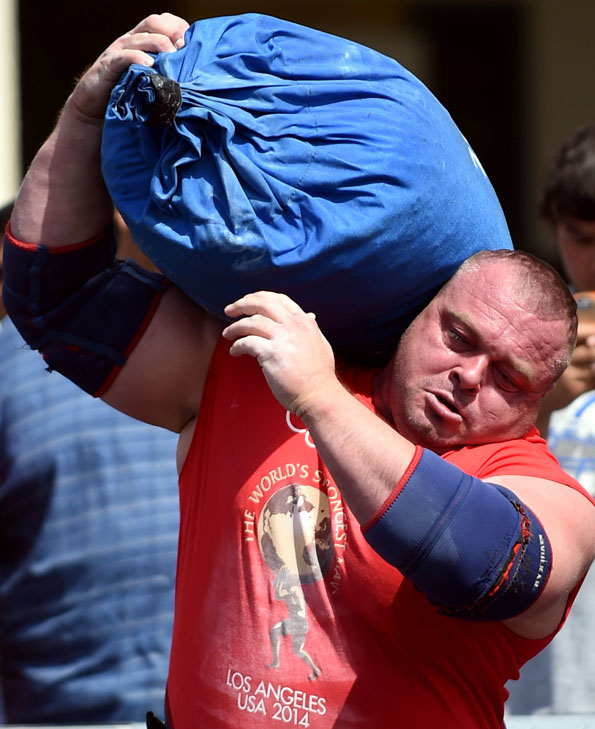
point(472, 547)
point(79, 306)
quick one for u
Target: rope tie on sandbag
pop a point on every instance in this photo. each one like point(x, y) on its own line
point(168, 99)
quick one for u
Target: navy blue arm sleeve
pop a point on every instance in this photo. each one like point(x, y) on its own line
point(79, 306)
point(474, 548)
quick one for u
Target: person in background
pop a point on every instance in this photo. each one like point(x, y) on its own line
point(560, 679)
point(88, 542)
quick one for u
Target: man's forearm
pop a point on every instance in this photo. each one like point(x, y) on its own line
point(63, 198)
point(365, 455)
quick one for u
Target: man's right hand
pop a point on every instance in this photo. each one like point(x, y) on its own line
point(63, 198)
point(155, 34)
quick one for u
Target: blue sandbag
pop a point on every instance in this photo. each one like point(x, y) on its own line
point(292, 160)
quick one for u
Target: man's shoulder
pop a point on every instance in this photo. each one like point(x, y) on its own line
point(358, 380)
point(525, 456)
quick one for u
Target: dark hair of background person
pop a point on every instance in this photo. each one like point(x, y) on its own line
point(570, 182)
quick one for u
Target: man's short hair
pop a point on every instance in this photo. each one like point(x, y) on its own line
point(538, 285)
point(570, 183)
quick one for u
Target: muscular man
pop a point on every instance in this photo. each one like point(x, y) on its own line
point(435, 577)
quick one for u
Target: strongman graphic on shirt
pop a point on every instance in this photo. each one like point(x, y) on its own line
point(296, 543)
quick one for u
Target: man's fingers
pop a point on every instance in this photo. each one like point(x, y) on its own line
point(166, 24)
point(135, 48)
point(255, 325)
point(267, 303)
point(255, 346)
point(115, 62)
point(147, 42)
point(153, 35)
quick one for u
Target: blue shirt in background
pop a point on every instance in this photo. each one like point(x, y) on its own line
point(88, 541)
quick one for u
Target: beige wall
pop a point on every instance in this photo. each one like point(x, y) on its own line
point(10, 132)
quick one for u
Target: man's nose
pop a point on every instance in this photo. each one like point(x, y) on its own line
point(472, 371)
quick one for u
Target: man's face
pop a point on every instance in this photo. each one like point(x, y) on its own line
point(473, 366)
point(576, 242)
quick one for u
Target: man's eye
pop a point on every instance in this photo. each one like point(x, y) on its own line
point(505, 381)
point(456, 337)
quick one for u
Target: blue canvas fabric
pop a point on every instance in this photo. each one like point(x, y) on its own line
point(297, 161)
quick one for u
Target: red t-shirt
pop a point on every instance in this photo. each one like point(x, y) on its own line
point(284, 614)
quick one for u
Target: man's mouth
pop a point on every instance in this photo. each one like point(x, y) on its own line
point(447, 403)
point(445, 409)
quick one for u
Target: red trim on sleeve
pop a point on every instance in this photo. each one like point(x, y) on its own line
point(397, 489)
point(60, 249)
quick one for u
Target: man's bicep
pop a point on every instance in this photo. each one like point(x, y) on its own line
point(88, 313)
point(164, 376)
point(568, 518)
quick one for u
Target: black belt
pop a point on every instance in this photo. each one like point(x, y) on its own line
point(153, 722)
